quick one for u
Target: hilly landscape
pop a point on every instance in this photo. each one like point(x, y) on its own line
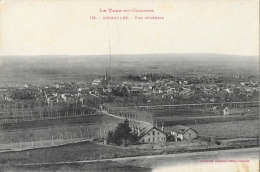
point(52, 68)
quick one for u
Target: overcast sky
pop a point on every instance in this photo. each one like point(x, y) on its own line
point(64, 27)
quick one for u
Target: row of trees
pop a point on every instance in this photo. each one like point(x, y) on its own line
point(150, 76)
point(23, 94)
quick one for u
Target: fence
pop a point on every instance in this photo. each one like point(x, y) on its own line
point(131, 114)
point(55, 136)
point(196, 106)
point(40, 116)
point(33, 144)
point(14, 114)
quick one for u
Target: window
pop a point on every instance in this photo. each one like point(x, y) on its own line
point(190, 134)
point(148, 134)
point(153, 139)
point(158, 133)
point(153, 132)
point(148, 139)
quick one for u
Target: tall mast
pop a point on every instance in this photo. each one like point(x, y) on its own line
point(110, 59)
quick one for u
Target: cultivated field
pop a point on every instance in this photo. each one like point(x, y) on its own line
point(72, 152)
point(84, 127)
point(237, 111)
point(194, 116)
point(76, 132)
point(60, 130)
point(182, 113)
point(235, 129)
point(88, 119)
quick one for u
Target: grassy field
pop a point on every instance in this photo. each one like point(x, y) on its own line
point(91, 126)
point(13, 161)
point(65, 132)
point(193, 121)
point(108, 166)
point(72, 152)
point(235, 129)
point(251, 110)
point(201, 112)
point(89, 119)
point(182, 113)
point(194, 116)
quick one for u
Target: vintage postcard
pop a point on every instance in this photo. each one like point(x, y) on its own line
point(156, 86)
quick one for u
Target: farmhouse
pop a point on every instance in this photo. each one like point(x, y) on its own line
point(182, 132)
point(153, 135)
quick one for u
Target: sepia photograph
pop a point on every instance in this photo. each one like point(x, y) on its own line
point(123, 86)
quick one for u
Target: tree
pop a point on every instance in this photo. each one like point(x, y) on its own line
point(122, 135)
point(110, 137)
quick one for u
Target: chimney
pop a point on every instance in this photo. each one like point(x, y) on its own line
point(162, 126)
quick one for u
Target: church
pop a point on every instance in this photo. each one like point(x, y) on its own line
point(101, 82)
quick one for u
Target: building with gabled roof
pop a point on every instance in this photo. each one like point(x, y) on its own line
point(182, 132)
point(152, 135)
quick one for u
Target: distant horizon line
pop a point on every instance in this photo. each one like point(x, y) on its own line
point(132, 54)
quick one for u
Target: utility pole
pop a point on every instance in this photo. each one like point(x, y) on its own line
point(41, 141)
point(81, 134)
point(20, 144)
point(71, 138)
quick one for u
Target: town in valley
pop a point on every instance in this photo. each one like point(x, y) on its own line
point(105, 114)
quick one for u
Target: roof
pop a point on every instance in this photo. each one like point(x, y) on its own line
point(136, 89)
point(180, 129)
point(145, 130)
point(97, 80)
point(53, 98)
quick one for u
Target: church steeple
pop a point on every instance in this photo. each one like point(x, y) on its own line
point(106, 76)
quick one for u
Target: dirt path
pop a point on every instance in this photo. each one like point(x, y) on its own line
point(161, 160)
point(146, 123)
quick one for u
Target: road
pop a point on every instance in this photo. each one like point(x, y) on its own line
point(238, 160)
point(233, 153)
point(157, 162)
point(213, 161)
point(105, 112)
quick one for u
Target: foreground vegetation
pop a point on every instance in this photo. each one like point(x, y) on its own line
point(89, 151)
point(108, 166)
point(66, 153)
